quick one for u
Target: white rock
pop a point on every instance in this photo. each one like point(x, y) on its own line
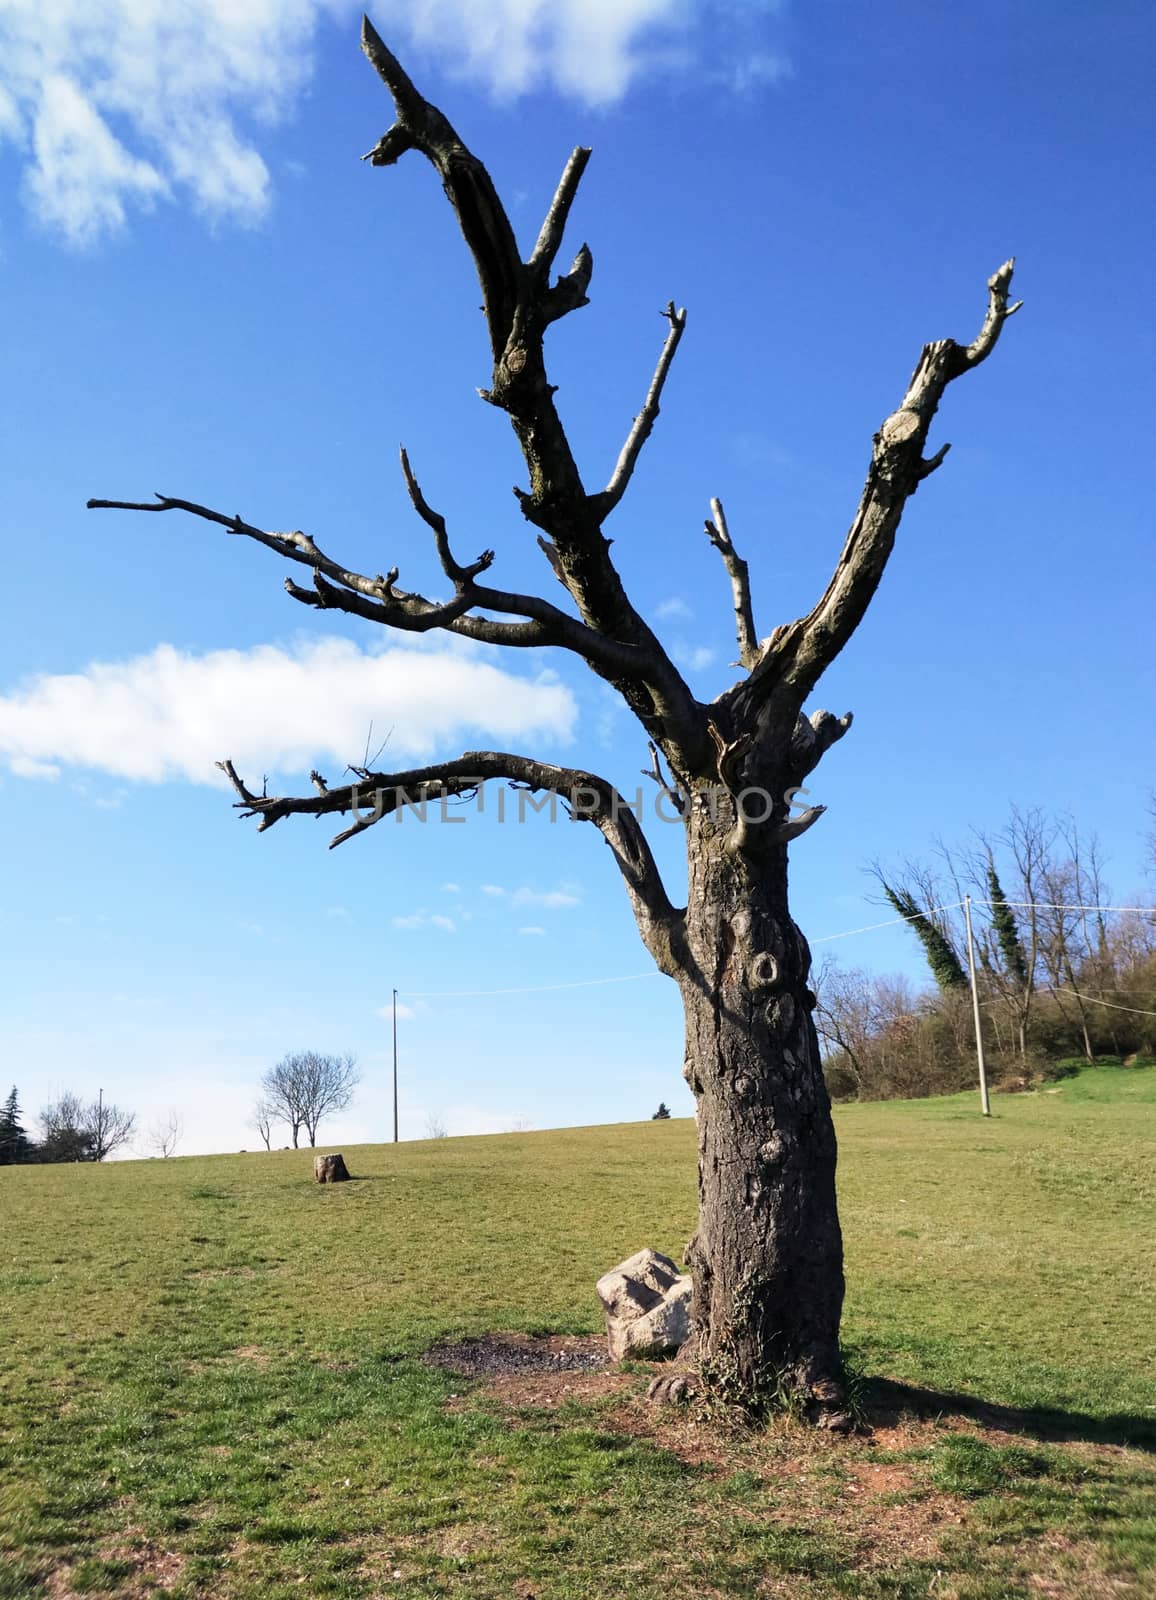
point(647, 1304)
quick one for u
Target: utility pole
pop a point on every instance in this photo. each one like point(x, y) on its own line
point(395, 1066)
point(983, 1099)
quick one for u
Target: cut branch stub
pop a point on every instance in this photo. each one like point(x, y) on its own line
point(718, 533)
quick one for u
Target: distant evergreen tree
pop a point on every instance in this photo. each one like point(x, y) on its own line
point(1007, 934)
point(946, 967)
point(15, 1145)
point(663, 1112)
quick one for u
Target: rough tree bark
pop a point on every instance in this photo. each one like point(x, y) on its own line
point(767, 1256)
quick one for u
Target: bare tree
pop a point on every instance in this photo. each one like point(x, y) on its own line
point(767, 1255)
point(303, 1088)
point(435, 1127)
point(846, 1014)
point(262, 1120)
point(165, 1134)
point(73, 1130)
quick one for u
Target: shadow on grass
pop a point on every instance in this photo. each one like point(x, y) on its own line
point(885, 1402)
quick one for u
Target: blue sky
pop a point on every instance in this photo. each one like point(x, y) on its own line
point(208, 295)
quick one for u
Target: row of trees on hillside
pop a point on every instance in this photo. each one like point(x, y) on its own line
point(1059, 975)
point(299, 1091)
point(71, 1129)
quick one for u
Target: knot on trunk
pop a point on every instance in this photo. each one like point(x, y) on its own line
point(763, 972)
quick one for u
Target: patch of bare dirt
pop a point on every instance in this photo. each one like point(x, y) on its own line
point(251, 1352)
point(155, 1570)
point(881, 1478)
point(518, 1354)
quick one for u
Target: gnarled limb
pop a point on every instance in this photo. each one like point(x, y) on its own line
point(800, 652)
point(378, 599)
point(468, 186)
point(520, 304)
point(588, 798)
point(719, 535)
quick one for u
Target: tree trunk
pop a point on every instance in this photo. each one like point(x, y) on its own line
point(767, 1257)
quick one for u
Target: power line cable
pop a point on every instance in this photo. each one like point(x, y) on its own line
point(633, 977)
point(1055, 905)
point(1092, 1000)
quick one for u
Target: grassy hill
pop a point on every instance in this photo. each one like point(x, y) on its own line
point(209, 1383)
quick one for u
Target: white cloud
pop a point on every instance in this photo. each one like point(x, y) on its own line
point(272, 709)
point(674, 607)
point(533, 931)
point(424, 919)
point(121, 103)
point(592, 49)
point(588, 48)
point(692, 656)
point(27, 767)
point(549, 899)
point(404, 1013)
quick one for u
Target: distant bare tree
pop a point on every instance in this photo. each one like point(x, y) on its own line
point(75, 1131)
point(435, 1128)
point(165, 1134)
point(303, 1088)
point(262, 1120)
point(846, 1014)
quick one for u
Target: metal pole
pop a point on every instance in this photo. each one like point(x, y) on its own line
point(983, 1099)
point(395, 1066)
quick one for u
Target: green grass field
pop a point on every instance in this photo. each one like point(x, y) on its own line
point(210, 1384)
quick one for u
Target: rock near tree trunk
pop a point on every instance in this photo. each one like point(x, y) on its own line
point(330, 1169)
point(647, 1304)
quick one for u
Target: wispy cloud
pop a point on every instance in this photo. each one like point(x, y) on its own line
point(695, 657)
point(561, 899)
point(404, 1013)
point(272, 709)
point(674, 607)
point(533, 932)
point(548, 899)
point(593, 50)
point(121, 104)
point(426, 919)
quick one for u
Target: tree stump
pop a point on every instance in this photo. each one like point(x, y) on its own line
point(330, 1169)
